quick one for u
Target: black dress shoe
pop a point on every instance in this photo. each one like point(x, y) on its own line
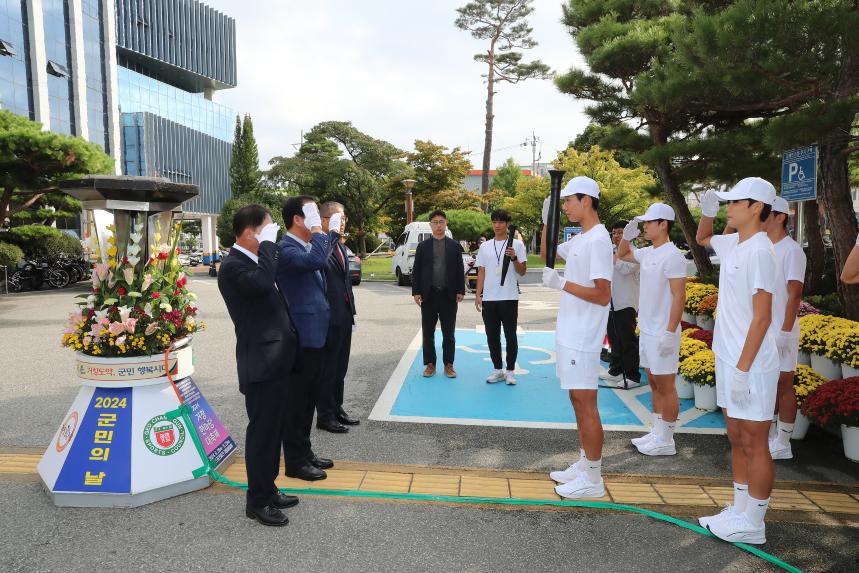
point(306, 472)
point(345, 419)
point(321, 463)
point(268, 515)
point(334, 427)
point(283, 501)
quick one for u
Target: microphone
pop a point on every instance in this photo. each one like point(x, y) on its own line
point(511, 232)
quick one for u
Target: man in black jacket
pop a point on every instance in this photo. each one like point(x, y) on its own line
point(438, 286)
point(330, 415)
point(265, 354)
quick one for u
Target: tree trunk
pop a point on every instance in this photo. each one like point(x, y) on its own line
point(816, 262)
point(837, 203)
point(487, 140)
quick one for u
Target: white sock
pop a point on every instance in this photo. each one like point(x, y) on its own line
point(657, 423)
point(668, 430)
point(582, 454)
point(785, 431)
point(756, 509)
point(773, 424)
point(593, 469)
point(741, 496)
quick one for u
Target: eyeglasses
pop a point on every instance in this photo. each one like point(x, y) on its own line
point(438, 222)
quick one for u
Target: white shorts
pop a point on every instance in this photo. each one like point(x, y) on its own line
point(577, 369)
point(788, 360)
point(764, 387)
point(648, 351)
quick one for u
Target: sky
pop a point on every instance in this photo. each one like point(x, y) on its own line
point(399, 70)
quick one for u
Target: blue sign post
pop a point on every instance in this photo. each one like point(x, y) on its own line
point(799, 174)
point(570, 231)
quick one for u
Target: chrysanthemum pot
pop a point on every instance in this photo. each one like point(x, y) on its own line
point(800, 427)
point(804, 358)
point(705, 322)
point(826, 367)
point(848, 371)
point(705, 397)
point(685, 391)
point(850, 437)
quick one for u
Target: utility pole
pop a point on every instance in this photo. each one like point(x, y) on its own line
point(535, 157)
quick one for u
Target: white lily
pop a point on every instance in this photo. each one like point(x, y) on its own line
point(128, 274)
point(133, 260)
point(124, 313)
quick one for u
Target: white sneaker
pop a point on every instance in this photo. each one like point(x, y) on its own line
point(581, 487)
point(496, 376)
point(738, 529)
point(569, 474)
point(779, 452)
point(618, 382)
point(658, 447)
point(727, 511)
point(511, 379)
point(643, 439)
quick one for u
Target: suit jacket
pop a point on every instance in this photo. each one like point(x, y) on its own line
point(339, 286)
point(301, 278)
point(266, 341)
point(422, 268)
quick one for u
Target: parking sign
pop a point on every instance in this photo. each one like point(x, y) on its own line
point(570, 231)
point(799, 174)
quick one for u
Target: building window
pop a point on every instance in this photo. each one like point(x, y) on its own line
point(58, 48)
point(56, 69)
point(6, 48)
point(16, 88)
point(96, 73)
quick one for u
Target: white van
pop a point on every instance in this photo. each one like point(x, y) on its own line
point(404, 249)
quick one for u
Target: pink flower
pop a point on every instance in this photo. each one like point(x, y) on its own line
point(120, 340)
point(128, 275)
point(147, 280)
point(95, 330)
point(101, 270)
point(116, 328)
point(151, 329)
point(130, 324)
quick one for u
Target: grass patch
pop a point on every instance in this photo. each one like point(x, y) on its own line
point(379, 267)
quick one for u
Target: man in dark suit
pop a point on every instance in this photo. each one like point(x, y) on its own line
point(304, 252)
point(330, 415)
point(438, 286)
point(266, 344)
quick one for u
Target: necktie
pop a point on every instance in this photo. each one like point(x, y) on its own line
point(340, 256)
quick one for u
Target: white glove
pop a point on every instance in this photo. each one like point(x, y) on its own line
point(667, 344)
point(710, 204)
point(268, 233)
point(741, 391)
point(546, 207)
point(552, 279)
point(311, 215)
point(335, 222)
point(631, 231)
point(783, 341)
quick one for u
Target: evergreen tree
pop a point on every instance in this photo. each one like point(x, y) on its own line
point(245, 175)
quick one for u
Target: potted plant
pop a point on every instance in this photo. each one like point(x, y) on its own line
point(695, 292)
point(700, 370)
point(705, 336)
point(844, 348)
point(688, 347)
point(707, 311)
point(805, 309)
point(836, 403)
point(805, 382)
point(814, 332)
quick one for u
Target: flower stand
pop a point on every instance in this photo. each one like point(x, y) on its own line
point(705, 397)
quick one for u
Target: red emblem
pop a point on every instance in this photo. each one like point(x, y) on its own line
point(165, 436)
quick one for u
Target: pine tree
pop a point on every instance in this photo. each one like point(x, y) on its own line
point(235, 162)
point(245, 174)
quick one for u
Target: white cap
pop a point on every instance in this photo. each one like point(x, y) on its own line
point(780, 206)
point(581, 184)
point(657, 211)
point(750, 188)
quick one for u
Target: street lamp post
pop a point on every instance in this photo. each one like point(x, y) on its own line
point(410, 211)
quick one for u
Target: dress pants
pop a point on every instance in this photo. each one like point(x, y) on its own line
point(498, 313)
point(329, 395)
point(624, 343)
point(300, 403)
point(265, 403)
point(438, 306)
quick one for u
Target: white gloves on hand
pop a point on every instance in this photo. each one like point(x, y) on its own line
point(783, 341)
point(268, 233)
point(546, 207)
point(741, 391)
point(334, 222)
point(710, 204)
point(667, 344)
point(631, 231)
point(311, 215)
point(552, 279)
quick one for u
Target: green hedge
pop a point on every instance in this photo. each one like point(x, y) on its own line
point(10, 255)
point(274, 202)
point(43, 242)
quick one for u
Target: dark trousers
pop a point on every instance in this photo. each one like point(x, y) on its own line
point(329, 395)
point(498, 313)
point(265, 403)
point(435, 307)
point(301, 401)
point(624, 342)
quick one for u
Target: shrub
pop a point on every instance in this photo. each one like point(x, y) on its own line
point(54, 247)
point(827, 304)
point(843, 344)
point(274, 202)
point(10, 255)
point(700, 368)
point(813, 332)
point(805, 382)
point(806, 309)
point(834, 403)
point(695, 293)
point(32, 239)
point(690, 346)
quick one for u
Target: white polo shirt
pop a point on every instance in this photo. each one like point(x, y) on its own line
point(745, 268)
point(792, 263)
point(625, 285)
point(581, 324)
point(490, 256)
point(658, 266)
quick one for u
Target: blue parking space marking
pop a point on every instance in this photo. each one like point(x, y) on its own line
point(537, 401)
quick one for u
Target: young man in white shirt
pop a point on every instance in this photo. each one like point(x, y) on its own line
point(585, 294)
point(499, 305)
point(747, 360)
point(785, 326)
point(663, 294)
point(625, 282)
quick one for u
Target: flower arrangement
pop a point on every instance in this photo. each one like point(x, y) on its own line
point(685, 326)
point(805, 382)
point(700, 368)
point(806, 309)
point(695, 293)
point(705, 336)
point(686, 333)
point(813, 331)
point(690, 346)
point(843, 344)
point(834, 403)
point(707, 306)
point(133, 312)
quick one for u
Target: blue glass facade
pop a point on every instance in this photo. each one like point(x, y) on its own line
point(141, 93)
point(58, 48)
point(16, 86)
point(96, 73)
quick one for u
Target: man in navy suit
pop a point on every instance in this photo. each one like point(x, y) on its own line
point(304, 252)
point(330, 415)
